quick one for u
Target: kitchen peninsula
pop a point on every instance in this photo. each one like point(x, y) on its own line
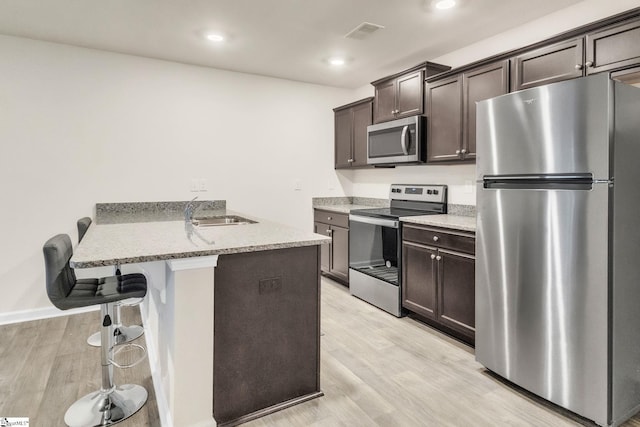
point(249, 345)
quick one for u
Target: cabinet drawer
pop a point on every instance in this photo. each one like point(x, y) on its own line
point(462, 242)
point(331, 218)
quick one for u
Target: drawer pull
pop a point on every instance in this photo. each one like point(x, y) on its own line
point(329, 218)
point(436, 238)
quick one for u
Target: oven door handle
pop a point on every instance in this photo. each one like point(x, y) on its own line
point(375, 221)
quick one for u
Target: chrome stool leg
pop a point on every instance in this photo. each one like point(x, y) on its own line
point(122, 333)
point(111, 404)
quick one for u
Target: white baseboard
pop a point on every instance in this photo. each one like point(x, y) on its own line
point(41, 313)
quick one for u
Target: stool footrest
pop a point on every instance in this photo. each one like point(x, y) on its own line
point(127, 348)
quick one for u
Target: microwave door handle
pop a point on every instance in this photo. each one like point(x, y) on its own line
point(403, 140)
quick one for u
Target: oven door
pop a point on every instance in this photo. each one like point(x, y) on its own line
point(374, 258)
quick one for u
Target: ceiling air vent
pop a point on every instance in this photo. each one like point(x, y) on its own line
point(363, 31)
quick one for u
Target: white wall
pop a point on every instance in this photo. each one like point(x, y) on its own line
point(80, 126)
point(375, 183)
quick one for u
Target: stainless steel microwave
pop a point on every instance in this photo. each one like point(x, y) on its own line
point(395, 142)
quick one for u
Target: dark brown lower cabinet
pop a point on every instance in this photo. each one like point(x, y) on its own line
point(340, 252)
point(419, 279)
point(334, 261)
point(266, 332)
point(457, 295)
point(438, 280)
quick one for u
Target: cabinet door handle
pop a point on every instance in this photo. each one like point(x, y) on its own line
point(329, 230)
point(436, 238)
point(457, 151)
point(433, 256)
point(438, 258)
point(463, 151)
point(578, 67)
point(350, 160)
point(588, 64)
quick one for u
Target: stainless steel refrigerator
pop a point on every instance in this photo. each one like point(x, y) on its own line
point(558, 244)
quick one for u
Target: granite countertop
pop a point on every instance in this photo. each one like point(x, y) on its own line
point(107, 244)
point(343, 208)
point(347, 204)
point(455, 222)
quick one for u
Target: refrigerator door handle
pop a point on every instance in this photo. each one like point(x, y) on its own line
point(543, 177)
point(540, 182)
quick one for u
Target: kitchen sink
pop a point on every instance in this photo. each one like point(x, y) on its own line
point(221, 220)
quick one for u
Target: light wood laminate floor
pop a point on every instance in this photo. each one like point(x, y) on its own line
point(377, 370)
point(46, 365)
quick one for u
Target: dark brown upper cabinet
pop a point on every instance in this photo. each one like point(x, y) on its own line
point(451, 110)
point(401, 95)
point(613, 47)
point(444, 120)
point(560, 61)
point(351, 123)
point(477, 85)
point(608, 48)
point(398, 97)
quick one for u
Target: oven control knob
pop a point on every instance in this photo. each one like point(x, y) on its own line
point(436, 238)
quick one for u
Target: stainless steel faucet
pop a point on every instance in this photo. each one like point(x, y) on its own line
point(189, 209)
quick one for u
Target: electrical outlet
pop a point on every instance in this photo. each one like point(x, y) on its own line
point(194, 185)
point(202, 184)
point(266, 286)
point(297, 185)
point(468, 187)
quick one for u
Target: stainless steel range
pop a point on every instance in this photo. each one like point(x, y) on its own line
point(374, 243)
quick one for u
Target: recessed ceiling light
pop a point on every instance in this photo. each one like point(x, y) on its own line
point(214, 37)
point(444, 4)
point(336, 62)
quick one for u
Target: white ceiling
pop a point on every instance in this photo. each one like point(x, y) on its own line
point(290, 39)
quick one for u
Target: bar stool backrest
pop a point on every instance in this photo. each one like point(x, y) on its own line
point(60, 277)
point(83, 226)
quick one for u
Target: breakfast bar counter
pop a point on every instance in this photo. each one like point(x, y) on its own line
point(142, 241)
point(227, 353)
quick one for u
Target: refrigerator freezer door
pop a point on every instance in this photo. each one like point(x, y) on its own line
point(541, 292)
point(561, 128)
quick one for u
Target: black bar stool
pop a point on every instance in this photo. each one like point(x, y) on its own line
point(123, 334)
point(110, 404)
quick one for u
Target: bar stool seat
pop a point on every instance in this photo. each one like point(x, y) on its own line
point(124, 333)
point(110, 404)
